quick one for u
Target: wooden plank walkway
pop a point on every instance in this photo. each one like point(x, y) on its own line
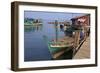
point(84, 51)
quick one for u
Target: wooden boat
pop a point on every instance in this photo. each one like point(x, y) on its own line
point(61, 44)
point(37, 24)
point(58, 44)
point(33, 22)
point(65, 43)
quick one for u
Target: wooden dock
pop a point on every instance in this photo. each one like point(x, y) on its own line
point(84, 50)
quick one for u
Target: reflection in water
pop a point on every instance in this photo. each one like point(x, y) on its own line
point(33, 28)
point(36, 47)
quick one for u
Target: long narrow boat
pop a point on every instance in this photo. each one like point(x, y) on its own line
point(33, 24)
point(61, 44)
point(58, 44)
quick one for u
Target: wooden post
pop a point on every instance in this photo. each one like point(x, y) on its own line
point(76, 41)
point(76, 38)
point(85, 33)
point(56, 28)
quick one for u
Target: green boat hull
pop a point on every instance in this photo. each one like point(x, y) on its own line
point(54, 49)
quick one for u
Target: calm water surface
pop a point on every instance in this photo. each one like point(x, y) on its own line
point(35, 46)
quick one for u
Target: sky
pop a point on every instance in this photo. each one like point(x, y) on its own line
point(51, 15)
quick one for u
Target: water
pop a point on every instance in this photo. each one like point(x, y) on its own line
point(35, 46)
